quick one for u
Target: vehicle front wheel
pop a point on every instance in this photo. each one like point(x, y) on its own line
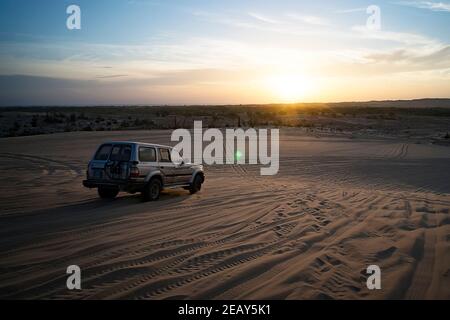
point(107, 193)
point(152, 190)
point(196, 186)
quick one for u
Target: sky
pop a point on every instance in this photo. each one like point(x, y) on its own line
point(150, 52)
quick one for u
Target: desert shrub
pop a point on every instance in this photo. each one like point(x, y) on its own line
point(16, 125)
point(51, 119)
point(124, 124)
point(163, 113)
point(82, 116)
point(34, 121)
point(14, 130)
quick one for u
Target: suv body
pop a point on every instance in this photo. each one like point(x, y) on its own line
point(140, 167)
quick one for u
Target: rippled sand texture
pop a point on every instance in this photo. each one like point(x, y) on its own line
point(337, 206)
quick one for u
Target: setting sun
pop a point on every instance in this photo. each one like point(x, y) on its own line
point(289, 88)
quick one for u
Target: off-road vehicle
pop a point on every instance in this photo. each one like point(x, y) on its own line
point(140, 167)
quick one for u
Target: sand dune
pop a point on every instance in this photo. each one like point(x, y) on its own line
point(337, 206)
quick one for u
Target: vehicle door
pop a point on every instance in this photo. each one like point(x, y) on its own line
point(118, 165)
point(166, 166)
point(147, 160)
point(182, 171)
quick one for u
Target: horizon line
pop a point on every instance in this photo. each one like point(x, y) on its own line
point(217, 105)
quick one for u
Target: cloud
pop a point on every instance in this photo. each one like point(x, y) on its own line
point(404, 62)
point(20, 90)
point(112, 76)
point(260, 22)
point(429, 5)
point(212, 17)
point(170, 87)
point(313, 20)
point(143, 3)
point(262, 18)
point(409, 60)
point(351, 10)
point(405, 38)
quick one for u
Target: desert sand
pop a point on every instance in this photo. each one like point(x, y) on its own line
point(337, 206)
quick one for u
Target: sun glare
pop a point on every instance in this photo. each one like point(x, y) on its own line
point(289, 88)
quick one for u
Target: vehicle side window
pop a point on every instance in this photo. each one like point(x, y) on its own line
point(147, 154)
point(164, 155)
point(103, 152)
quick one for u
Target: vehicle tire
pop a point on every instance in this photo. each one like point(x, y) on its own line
point(107, 193)
point(152, 190)
point(196, 186)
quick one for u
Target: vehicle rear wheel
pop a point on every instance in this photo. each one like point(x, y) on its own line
point(196, 186)
point(152, 190)
point(107, 193)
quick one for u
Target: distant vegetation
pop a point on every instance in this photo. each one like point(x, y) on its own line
point(409, 117)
